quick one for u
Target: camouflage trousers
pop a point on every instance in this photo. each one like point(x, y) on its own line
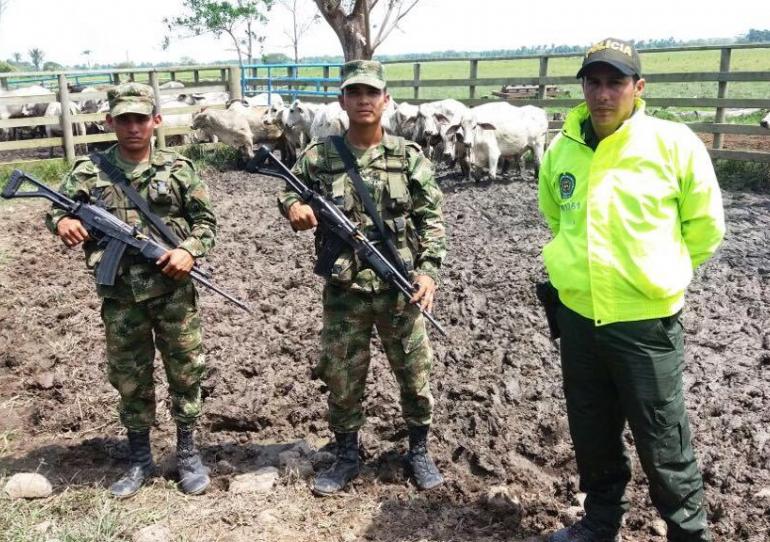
point(348, 318)
point(171, 323)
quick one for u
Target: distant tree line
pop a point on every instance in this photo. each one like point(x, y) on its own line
point(36, 55)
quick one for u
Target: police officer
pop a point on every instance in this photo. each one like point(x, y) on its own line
point(401, 184)
point(151, 305)
point(634, 207)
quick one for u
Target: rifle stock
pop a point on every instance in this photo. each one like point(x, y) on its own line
point(112, 233)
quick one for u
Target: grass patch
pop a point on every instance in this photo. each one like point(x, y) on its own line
point(218, 156)
point(48, 171)
point(743, 176)
point(76, 515)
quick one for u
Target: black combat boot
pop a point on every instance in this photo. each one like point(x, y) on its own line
point(193, 476)
point(344, 468)
point(141, 467)
point(418, 462)
point(581, 532)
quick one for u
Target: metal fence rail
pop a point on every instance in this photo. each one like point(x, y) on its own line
point(285, 79)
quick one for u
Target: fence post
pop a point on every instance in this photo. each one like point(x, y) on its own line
point(326, 76)
point(196, 76)
point(724, 66)
point(4, 83)
point(234, 84)
point(160, 133)
point(66, 119)
point(417, 81)
point(289, 75)
point(474, 74)
point(541, 89)
point(223, 75)
point(116, 78)
point(131, 77)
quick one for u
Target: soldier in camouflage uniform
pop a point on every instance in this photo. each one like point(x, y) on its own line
point(402, 185)
point(150, 305)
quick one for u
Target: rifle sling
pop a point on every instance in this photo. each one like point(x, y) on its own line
point(119, 178)
point(358, 183)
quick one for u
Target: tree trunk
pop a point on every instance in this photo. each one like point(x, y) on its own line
point(352, 30)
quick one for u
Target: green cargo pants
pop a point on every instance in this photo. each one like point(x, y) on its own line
point(348, 318)
point(631, 371)
point(133, 330)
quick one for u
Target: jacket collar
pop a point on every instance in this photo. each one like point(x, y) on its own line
point(390, 142)
point(158, 157)
point(576, 117)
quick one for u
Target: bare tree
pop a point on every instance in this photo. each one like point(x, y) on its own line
point(351, 21)
point(299, 24)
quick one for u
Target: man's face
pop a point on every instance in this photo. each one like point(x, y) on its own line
point(363, 104)
point(134, 131)
point(610, 97)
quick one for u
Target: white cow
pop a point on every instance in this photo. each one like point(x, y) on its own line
point(230, 127)
point(54, 109)
point(431, 117)
point(88, 104)
point(178, 120)
point(499, 130)
point(765, 122)
point(300, 119)
point(27, 109)
point(264, 99)
point(261, 131)
point(329, 119)
point(205, 99)
point(404, 119)
point(388, 120)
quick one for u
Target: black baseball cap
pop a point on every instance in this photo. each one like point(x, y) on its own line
point(619, 54)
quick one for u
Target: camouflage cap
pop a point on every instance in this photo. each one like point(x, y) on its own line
point(363, 72)
point(619, 54)
point(131, 98)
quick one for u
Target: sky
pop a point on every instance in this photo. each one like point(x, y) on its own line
point(116, 31)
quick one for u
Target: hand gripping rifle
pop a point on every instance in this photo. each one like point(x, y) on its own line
point(335, 223)
point(109, 231)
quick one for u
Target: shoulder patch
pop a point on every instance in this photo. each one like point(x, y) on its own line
point(84, 165)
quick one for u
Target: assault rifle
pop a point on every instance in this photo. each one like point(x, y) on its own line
point(339, 227)
point(110, 232)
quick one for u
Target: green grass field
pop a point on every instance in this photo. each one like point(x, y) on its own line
point(668, 62)
point(652, 63)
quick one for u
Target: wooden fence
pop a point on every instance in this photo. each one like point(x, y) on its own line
point(285, 84)
point(543, 81)
point(196, 78)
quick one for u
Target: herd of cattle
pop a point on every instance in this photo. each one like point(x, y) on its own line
point(482, 137)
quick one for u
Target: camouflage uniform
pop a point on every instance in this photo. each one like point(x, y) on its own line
point(144, 301)
point(401, 182)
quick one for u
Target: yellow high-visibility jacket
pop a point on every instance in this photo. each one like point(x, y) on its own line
point(631, 220)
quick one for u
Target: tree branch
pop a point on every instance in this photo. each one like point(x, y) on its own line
point(385, 32)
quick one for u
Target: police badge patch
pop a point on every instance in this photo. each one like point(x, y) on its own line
point(566, 185)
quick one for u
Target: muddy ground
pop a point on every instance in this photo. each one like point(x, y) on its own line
point(500, 416)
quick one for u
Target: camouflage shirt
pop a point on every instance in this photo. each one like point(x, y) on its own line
point(174, 191)
point(403, 186)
